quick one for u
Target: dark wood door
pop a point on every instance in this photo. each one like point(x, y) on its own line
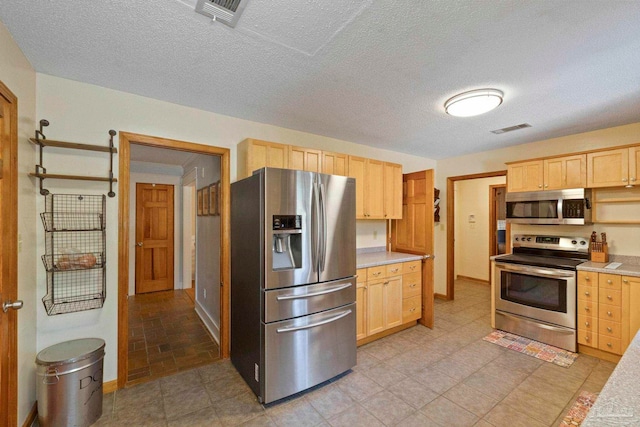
point(154, 237)
point(414, 232)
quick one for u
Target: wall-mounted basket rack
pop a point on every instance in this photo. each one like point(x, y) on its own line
point(41, 172)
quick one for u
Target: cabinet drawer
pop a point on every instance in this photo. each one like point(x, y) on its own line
point(610, 312)
point(610, 297)
point(587, 323)
point(375, 272)
point(393, 269)
point(612, 345)
point(411, 308)
point(587, 278)
point(588, 293)
point(610, 281)
point(411, 285)
point(588, 308)
point(412, 266)
point(610, 329)
point(588, 338)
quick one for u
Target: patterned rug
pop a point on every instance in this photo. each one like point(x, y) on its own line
point(579, 410)
point(533, 348)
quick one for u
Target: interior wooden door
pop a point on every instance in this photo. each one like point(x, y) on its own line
point(8, 257)
point(414, 232)
point(154, 237)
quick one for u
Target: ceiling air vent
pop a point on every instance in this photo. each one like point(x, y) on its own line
point(226, 11)
point(511, 128)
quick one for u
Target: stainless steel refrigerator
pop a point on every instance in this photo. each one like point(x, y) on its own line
point(293, 287)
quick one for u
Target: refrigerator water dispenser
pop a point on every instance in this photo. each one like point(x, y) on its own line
point(287, 242)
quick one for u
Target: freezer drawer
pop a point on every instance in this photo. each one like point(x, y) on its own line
point(304, 352)
point(299, 301)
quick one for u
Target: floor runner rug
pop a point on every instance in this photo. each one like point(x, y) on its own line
point(523, 345)
point(579, 410)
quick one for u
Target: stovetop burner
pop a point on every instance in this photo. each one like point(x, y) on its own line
point(547, 251)
point(542, 261)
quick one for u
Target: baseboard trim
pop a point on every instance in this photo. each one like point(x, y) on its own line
point(440, 296)
point(383, 334)
point(109, 386)
point(31, 417)
point(604, 355)
point(211, 326)
point(473, 279)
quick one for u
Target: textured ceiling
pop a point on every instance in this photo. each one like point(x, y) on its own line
point(371, 72)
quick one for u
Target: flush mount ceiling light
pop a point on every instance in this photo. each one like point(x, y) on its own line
point(474, 102)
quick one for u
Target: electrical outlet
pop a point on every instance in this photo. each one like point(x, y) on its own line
point(204, 291)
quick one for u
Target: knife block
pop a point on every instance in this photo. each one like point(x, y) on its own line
point(599, 252)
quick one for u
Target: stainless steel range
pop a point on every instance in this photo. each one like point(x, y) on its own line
point(535, 288)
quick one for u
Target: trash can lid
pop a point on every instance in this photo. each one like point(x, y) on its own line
point(69, 351)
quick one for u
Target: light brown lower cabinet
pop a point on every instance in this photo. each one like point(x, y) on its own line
point(608, 310)
point(387, 296)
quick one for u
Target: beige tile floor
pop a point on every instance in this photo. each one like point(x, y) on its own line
point(447, 376)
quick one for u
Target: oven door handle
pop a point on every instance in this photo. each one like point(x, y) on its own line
point(535, 270)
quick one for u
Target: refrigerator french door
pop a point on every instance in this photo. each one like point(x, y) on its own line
point(292, 280)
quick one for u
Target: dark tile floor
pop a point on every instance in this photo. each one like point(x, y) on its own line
point(166, 336)
point(446, 376)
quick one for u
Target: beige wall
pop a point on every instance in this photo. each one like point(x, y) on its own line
point(84, 113)
point(472, 238)
point(18, 75)
point(624, 238)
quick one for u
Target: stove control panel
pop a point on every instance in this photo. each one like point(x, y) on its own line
point(560, 243)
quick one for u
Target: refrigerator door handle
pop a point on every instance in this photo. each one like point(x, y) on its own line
point(314, 294)
point(315, 226)
point(313, 325)
point(323, 225)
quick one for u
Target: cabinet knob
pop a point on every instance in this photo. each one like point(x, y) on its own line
point(609, 313)
point(624, 179)
point(586, 338)
point(587, 278)
point(609, 329)
point(586, 324)
point(625, 281)
point(609, 297)
point(546, 185)
point(139, 244)
point(394, 270)
point(413, 285)
point(633, 179)
point(587, 293)
point(609, 344)
point(413, 267)
point(539, 185)
point(386, 283)
point(412, 310)
point(609, 281)
point(587, 309)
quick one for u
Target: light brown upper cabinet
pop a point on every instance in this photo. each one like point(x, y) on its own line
point(258, 154)
point(335, 163)
point(565, 172)
point(305, 159)
point(613, 168)
point(525, 176)
point(375, 197)
point(392, 191)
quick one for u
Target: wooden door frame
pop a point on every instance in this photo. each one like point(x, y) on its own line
point(125, 141)
point(9, 172)
point(451, 224)
point(493, 241)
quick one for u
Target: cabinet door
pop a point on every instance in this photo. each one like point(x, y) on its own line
point(305, 159)
point(525, 176)
point(374, 189)
point(608, 168)
point(631, 313)
point(361, 306)
point(375, 307)
point(335, 163)
point(392, 191)
point(266, 154)
point(634, 165)
point(393, 302)
point(565, 172)
point(357, 166)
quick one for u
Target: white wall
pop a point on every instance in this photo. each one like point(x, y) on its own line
point(624, 238)
point(153, 173)
point(18, 75)
point(84, 113)
point(472, 238)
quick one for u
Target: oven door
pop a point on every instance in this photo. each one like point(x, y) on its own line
point(545, 294)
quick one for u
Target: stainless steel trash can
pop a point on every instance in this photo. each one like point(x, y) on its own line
point(69, 383)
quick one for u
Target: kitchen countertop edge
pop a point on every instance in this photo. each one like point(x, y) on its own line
point(598, 267)
point(374, 259)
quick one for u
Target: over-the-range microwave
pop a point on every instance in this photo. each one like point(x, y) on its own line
point(568, 207)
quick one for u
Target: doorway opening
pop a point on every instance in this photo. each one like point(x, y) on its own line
point(468, 218)
point(183, 167)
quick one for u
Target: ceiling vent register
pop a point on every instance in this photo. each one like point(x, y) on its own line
point(226, 11)
point(511, 128)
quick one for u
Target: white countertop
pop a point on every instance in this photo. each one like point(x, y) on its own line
point(372, 259)
point(619, 401)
